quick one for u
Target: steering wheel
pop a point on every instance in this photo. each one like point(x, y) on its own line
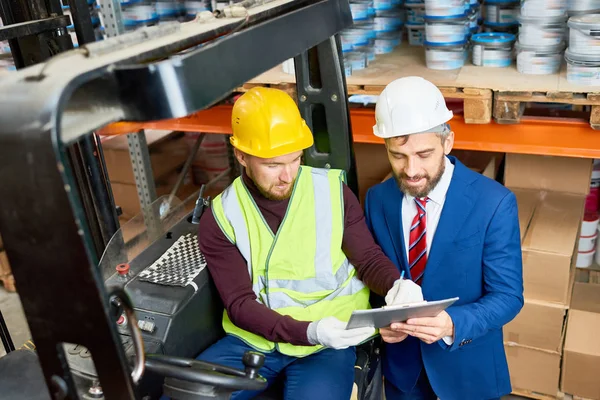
point(209, 374)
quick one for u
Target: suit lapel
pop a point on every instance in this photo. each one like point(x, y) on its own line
point(457, 207)
point(393, 221)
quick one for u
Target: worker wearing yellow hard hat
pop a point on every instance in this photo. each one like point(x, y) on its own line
point(290, 255)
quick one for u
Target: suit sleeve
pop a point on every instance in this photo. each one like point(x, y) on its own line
point(502, 276)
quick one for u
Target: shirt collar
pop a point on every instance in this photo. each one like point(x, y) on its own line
point(438, 194)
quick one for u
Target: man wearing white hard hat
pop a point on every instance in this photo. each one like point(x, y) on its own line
point(455, 233)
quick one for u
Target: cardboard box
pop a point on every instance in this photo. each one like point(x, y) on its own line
point(372, 165)
point(549, 246)
point(581, 361)
point(533, 369)
point(126, 195)
point(548, 173)
point(484, 162)
point(168, 151)
point(527, 200)
point(539, 324)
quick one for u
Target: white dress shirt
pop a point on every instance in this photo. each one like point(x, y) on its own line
point(433, 212)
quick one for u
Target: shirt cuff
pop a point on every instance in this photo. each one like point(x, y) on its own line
point(448, 340)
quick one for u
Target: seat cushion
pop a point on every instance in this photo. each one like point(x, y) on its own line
point(21, 377)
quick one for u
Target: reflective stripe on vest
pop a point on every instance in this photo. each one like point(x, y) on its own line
point(321, 285)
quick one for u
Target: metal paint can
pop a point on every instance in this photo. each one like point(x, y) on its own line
point(543, 8)
point(446, 29)
point(139, 14)
point(388, 21)
point(539, 60)
point(445, 56)
point(543, 31)
point(583, 69)
point(501, 12)
point(360, 10)
point(584, 34)
point(492, 49)
point(386, 43)
point(445, 8)
point(582, 7)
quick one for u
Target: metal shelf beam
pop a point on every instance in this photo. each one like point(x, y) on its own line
point(542, 136)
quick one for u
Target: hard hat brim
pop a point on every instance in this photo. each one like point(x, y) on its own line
point(304, 141)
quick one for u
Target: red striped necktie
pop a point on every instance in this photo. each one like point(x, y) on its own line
point(417, 251)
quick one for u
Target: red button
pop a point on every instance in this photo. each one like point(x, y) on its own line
point(121, 320)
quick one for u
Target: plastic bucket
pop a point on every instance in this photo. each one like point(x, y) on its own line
point(492, 49)
point(386, 43)
point(445, 56)
point(584, 34)
point(445, 8)
point(360, 10)
point(388, 21)
point(356, 60)
point(383, 5)
point(539, 60)
point(582, 7)
point(502, 12)
point(542, 31)
point(138, 14)
point(446, 29)
point(543, 8)
point(582, 69)
point(416, 34)
point(355, 38)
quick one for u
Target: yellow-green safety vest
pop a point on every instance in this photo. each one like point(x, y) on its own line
point(301, 271)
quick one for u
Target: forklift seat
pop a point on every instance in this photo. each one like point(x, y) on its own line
point(21, 376)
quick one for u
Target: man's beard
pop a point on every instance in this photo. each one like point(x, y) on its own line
point(278, 197)
point(430, 184)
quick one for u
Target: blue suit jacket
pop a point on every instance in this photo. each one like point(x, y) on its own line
point(476, 256)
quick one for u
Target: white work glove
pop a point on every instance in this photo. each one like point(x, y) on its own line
point(331, 332)
point(404, 291)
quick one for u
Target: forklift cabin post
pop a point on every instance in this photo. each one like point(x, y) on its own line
point(48, 107)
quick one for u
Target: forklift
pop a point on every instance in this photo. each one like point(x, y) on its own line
point(122, 312)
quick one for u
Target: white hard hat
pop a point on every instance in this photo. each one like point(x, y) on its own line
point(410, 105)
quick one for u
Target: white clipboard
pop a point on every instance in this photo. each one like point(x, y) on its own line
point(385, 316)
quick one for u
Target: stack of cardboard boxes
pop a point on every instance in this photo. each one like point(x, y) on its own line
point(581, 356)
point(168, 153)
point(551, 195)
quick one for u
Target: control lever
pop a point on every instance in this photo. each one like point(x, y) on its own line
point(201, 204)
point(253, 362)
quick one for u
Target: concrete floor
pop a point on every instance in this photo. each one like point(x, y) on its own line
point(10, 305)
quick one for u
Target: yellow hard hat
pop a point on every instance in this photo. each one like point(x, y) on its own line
point(267, 123)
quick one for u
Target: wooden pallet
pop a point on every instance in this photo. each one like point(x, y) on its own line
point(539, 396)
point(8, 281)
point(509, 106)
point(477, 102)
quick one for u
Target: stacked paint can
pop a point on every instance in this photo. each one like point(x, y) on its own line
point(446, 33)
point(501, 16)
point(6, 61)
point(377, 30)
point(492, 49)
point(542, 36)
point(95, 16)
point(588, 238)
point(583, 54)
